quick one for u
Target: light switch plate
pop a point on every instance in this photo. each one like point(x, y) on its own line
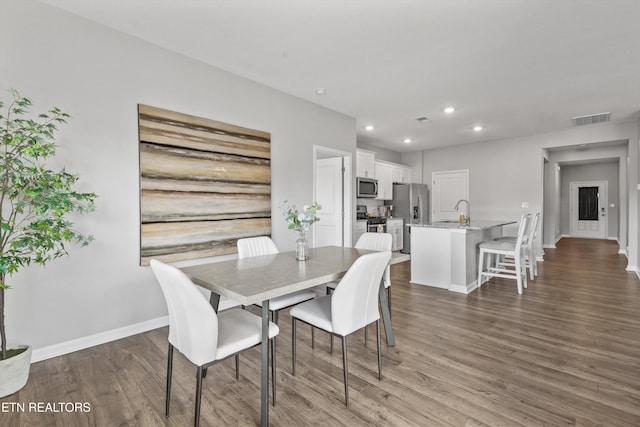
point(525, 205)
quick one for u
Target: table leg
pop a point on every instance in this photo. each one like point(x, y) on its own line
point(214, 300)
point(386, 315)
point(264, 369)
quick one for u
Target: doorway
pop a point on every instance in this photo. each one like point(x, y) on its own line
point(332, 189)
point(588, 212)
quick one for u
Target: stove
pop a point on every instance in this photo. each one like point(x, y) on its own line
point(361, 212)
point(376, 220)
point(377, 224)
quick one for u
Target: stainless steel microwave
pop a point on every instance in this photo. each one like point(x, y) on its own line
point(366, 187)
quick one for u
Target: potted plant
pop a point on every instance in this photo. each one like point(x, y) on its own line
point(35, 205)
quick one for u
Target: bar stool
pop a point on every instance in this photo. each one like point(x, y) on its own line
point(530, 258)
point(505, 248)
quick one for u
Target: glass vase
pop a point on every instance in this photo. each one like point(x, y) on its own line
point(302, 247)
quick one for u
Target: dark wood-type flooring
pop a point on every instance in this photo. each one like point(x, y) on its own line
point(566, 352)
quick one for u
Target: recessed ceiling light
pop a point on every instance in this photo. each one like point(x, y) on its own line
point(407, 140)
point(369, 127)
point(477, 128)
point(321, 91)
point(449, 110)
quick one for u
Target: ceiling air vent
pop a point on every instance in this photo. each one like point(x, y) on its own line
point(423, 120)
point(593, 118)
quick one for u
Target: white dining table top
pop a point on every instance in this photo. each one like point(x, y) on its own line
point(256, 279)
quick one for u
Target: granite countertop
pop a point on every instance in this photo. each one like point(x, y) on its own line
point(455, 225)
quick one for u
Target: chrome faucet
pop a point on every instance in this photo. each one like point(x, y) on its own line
point(467, 218)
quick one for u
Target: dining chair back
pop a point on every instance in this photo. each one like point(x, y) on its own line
point(256, 246)
point(355, 300)
point(352, 305)
point(377, 242)
point(202, 335)
point(193, 324)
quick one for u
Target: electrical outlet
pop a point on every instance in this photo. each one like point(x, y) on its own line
point(525, 205)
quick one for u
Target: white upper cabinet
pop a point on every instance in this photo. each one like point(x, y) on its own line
point(385, 172)
point(400, 174)
point(365, 163)
point(385, 180)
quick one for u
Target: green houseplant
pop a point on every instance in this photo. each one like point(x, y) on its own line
point(35, 202)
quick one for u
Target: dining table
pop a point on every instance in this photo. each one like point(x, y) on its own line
point(258, 279)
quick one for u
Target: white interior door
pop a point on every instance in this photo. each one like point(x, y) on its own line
point(448, 187)
point(589, 209)
point(329, 184)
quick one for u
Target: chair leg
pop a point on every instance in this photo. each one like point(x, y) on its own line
point(293, 346)
point(237, 367)
point(346, 371)
point(517, 260)
point(313, 337)
point(523, 265)
point(389, 301)
point(331, 351)
point(379, 354)
point(169, 374)
point(273, 357)
point(366, 335)
point(480, 262)
point(273, 368)
point(196, 420)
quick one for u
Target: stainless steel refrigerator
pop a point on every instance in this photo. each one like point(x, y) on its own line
point(411, 202)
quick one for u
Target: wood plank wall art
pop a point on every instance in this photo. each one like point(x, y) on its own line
point(203, 185)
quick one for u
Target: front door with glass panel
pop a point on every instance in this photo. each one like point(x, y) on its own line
point(589, 209)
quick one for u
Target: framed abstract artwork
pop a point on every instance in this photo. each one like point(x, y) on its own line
point(204, 184)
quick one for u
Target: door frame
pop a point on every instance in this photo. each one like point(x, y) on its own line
point(603, 204)
point(347, 188)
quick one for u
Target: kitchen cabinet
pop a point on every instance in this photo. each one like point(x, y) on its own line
point(361, 228)
point(395, 228)
point(385, 180)
point(365, 163)
point(400, 174)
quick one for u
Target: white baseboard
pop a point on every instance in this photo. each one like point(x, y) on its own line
point(539, 259)
point(464, 289)
point(638, 273)
point(96, 339)
point(549, 246)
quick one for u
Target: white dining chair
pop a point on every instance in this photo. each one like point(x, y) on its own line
point(202, 335)
point(381, 242)
point(263, 245)
point(351, 306)
point(529, 253)
point(501, 248)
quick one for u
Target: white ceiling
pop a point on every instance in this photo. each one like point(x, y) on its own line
point(516, 67)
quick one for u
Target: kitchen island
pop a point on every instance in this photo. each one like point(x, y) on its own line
point(445, 254)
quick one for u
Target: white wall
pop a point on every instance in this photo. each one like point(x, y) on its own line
point(505, 173)
point(99, 76)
